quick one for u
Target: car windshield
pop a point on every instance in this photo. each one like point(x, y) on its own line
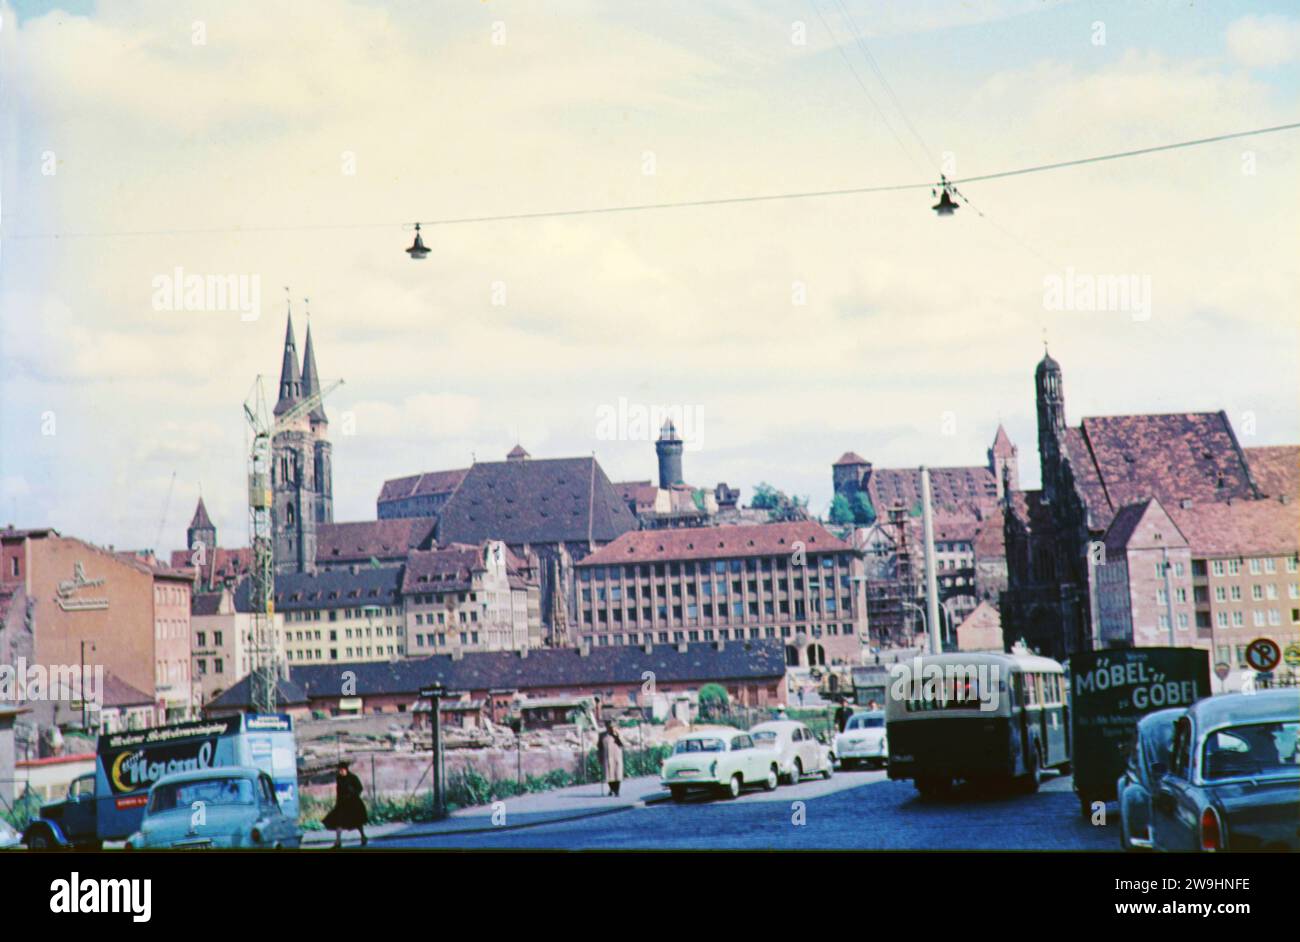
point(210, 791)
point(1254, 749)
point(866, 721)
point(1158, 743)
point(699, 745)
point(764, 737)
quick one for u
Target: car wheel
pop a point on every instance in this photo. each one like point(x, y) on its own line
point(678, 792)
point(39, 841)
point(829, 770)
point(796, 772)
point(933, 787)
point(773, 779)
point(734, 785)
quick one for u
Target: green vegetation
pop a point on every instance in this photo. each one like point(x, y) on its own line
point(779, 506)
point(841, 512)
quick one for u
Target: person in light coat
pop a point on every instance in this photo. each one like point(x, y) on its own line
point(610, 749)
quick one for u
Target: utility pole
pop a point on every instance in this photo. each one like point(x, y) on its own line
point(931, 577)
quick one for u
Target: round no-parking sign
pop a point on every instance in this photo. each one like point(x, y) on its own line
point(1263, 654)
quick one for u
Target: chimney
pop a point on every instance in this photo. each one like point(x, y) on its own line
point(584, 649)
point(523, 653)
point(457, 654)
point(719, 645)
point(681, 647)
point(648, 648)
point(1285, 498)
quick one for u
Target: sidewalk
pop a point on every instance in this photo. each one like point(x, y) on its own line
point(560, 804)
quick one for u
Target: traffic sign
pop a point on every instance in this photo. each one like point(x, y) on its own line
point(1292, 654)
point(1263, 654)
point(1222, 670)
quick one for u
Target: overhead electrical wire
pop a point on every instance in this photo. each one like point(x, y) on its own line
point(684, 204)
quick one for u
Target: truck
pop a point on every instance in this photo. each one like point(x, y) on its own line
point(1110, 690)
point(109, 803)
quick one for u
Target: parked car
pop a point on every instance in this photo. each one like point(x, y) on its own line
point(1151, 745)
point(1232, 782)
point(229, 806)
point(863, 740)
point(9, 838)
point(719, 760)
point(801, 754)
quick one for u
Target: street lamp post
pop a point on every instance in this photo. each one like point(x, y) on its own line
point(434, 694)
point(81, 682)
point(945, 626)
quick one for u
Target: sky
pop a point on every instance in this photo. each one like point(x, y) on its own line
point(288, 148)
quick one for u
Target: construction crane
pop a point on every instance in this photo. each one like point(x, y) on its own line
point(265, 426)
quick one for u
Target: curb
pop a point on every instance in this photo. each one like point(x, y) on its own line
point(479, 829)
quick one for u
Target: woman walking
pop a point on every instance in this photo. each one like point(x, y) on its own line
point(610, 748)
point(349, 811)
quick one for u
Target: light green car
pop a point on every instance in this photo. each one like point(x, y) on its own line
point(719, 760)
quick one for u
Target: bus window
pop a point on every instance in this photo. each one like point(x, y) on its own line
point(1031, 690)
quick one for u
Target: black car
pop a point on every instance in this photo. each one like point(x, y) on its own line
point(1151, 748)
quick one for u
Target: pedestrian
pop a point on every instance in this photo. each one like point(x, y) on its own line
point(842, 714)
point(610, 749)
point(349, 811)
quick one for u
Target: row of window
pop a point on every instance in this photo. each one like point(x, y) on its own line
point(721, 634)
point(1257, 566)
point(1259, 592)
point(1259, 616)
point(756, 564)
point(316, 654)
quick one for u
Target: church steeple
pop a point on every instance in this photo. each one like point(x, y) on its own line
point(311, 378)
point(1050, 396)
point(290, 378)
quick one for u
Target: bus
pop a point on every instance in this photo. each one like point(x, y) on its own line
point(990, 719)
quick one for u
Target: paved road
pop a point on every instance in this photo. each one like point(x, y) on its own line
point(854, 810)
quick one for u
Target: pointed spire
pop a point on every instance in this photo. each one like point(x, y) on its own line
point(311, 377)
point(290, 378)
point(1002, 444)
point(201, 520)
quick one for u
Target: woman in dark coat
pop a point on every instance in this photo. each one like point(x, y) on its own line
point(349, 811)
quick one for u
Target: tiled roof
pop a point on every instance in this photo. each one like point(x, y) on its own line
point(850, 457)
point(1120, 459)
point(338, 588)
point(641, 493)
point(201, 520)
point(1121, 534)
point(550, 667)
point(449, 568)
point(117, 692)
point(382, 539)
point(239, 696)
point(764, 539)
point(962, 488)
point(220, 563)
point(547, 500)
point(1240, 528)
point(1276, 470)
point(209, 603)
point(417, 485)
point(1002, 445)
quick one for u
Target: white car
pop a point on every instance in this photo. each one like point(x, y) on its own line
point(863, 740)
point(800, 752)
point(718, 760)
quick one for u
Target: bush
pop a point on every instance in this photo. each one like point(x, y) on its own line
point(24, 811)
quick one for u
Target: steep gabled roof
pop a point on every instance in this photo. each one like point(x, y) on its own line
point(417, 485)
point(548, 500)
point(1121, 459)
point(360, 541)
point(963, 489)
point(338, 588)
point(201, 520)
point(1276, 470)
point(850, 458)
point(1240, 528)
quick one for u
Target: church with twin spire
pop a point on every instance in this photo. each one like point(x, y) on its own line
point(301, 462)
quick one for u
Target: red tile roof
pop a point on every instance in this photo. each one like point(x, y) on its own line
point(415, 485)
point(963, 489)
point(1276, 469)
point(850, 457)
point(1241, 528)
point(766, 539)
point(358, 541)
point(1121, 459)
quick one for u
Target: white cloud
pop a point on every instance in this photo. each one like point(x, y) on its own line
point(1264, 42)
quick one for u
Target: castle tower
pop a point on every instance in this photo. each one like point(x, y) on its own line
point(201, 531)
point(849, 473)
point(1050, 397)
point(669, 450)
point(1004, 462)
point(302, 495)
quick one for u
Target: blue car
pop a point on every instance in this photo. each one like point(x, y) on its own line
point(225, 807)
point(1233, 777)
